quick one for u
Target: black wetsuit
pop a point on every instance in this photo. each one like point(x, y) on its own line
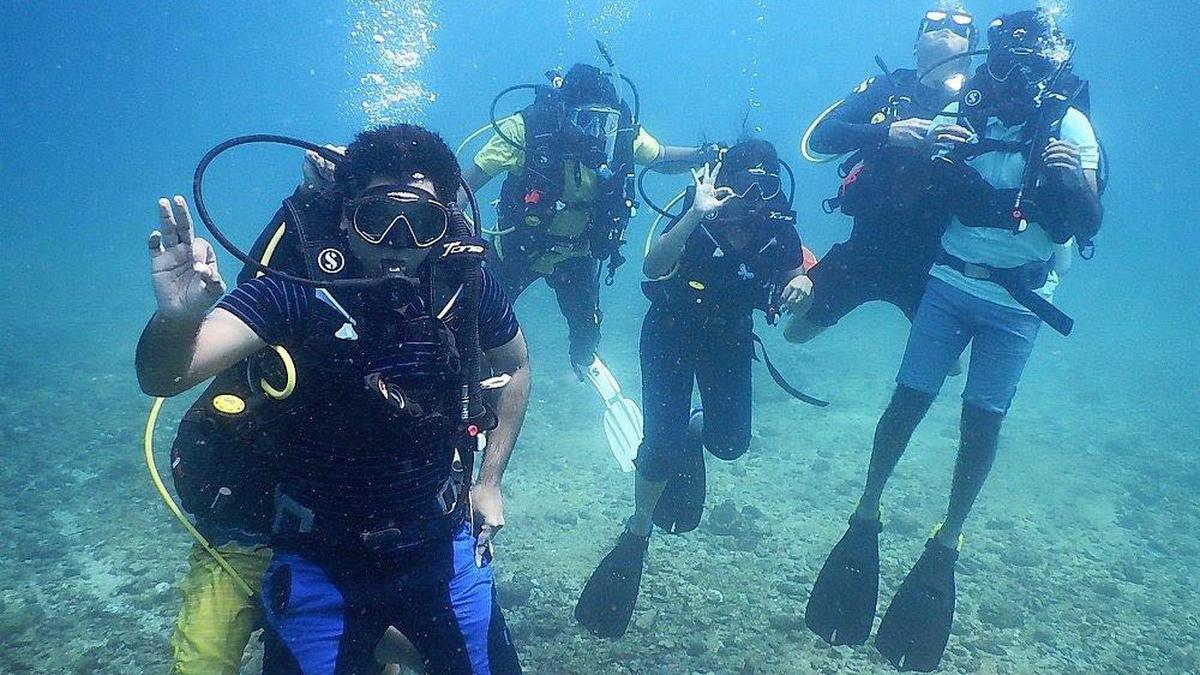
point(699, 329)
point(897, 223)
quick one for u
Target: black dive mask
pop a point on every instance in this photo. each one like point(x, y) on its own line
point(597, 121)
point(398, 216)
point(1024, 53)
point(754, 184)
point(957, 22)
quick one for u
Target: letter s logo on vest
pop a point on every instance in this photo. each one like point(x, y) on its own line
point(457, 247)
point(331, 261)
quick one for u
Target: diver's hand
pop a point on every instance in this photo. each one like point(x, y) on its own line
point(709, 197)
point(799, 288)
point(950, 134)
point(1063, 155)
point(488, 515)
point(909, 133)
point(318, 171)
point(183, 267)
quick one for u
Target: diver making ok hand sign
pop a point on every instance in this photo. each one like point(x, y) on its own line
point(183, 267)
point(734, 250)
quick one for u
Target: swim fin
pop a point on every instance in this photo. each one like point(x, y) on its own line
point(607, 601)
point(681, 505)
point(622, 417)
point(841, 607)
point(916, 627)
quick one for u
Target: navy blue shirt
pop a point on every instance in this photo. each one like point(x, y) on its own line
point(342, 452)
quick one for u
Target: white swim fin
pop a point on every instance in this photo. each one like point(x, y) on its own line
point(622, 417)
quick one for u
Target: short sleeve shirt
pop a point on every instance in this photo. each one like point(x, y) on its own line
point(1001, 248)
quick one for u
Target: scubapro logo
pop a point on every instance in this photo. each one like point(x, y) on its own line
point(331, 261)
point(973, 97)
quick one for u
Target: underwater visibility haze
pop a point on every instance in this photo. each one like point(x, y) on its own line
point(1080, 555)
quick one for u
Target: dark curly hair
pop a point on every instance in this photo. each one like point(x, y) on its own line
point(398, 151)
point(584, 84)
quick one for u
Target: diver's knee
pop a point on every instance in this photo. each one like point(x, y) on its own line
point(980, 430)
point(908, 403)
point(725, 445)
point(800, 330)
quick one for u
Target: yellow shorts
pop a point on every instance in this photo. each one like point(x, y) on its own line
point(216, 618)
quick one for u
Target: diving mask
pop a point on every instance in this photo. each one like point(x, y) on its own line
point(399, 216)
point(757, 179)
point(595, 121)
point(959, 23)
point(1026, 45)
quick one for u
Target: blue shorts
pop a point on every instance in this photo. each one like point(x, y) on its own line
point(325, 618)
point(947, 320)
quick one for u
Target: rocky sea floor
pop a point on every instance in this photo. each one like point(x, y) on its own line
point(1081, 556)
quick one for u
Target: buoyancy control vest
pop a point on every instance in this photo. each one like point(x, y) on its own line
point(715, 278)
point(885, 181)
point(1040, 198)
point(531, 200)
point(227, 453)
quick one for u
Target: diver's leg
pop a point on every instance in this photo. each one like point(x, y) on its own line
point(668, 367)
point(938, 336)
point(980, 433)
point(449, 612)
point(217, 617)
point(317, 621)
point(576, 284)
point(999, 353)
point(723, 373)
point(839, 286)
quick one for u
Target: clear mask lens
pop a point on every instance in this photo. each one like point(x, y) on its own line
point(960, 24)
point(756, 182)
point(594, 122)
point(400, 218)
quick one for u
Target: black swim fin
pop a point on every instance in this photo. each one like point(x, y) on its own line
point(607, 601)
point(681, 505)
point(916, 627)
point(841, 607)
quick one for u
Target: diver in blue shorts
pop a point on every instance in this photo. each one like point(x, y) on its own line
point(1021, 167)
point(377, 522)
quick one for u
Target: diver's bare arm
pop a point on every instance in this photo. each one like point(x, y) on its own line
point(475, 178)
point(678, 159)
point(509, 404)
point(174, 355)
point(667, 249)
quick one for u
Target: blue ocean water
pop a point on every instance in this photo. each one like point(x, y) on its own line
point(1081, 557)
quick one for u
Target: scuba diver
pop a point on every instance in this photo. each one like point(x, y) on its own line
point(564, 206)
point(1023, 166)
point(227, 487)
point(882, 124)
point(375, 523)
point(735, 249)
point(563, 213)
